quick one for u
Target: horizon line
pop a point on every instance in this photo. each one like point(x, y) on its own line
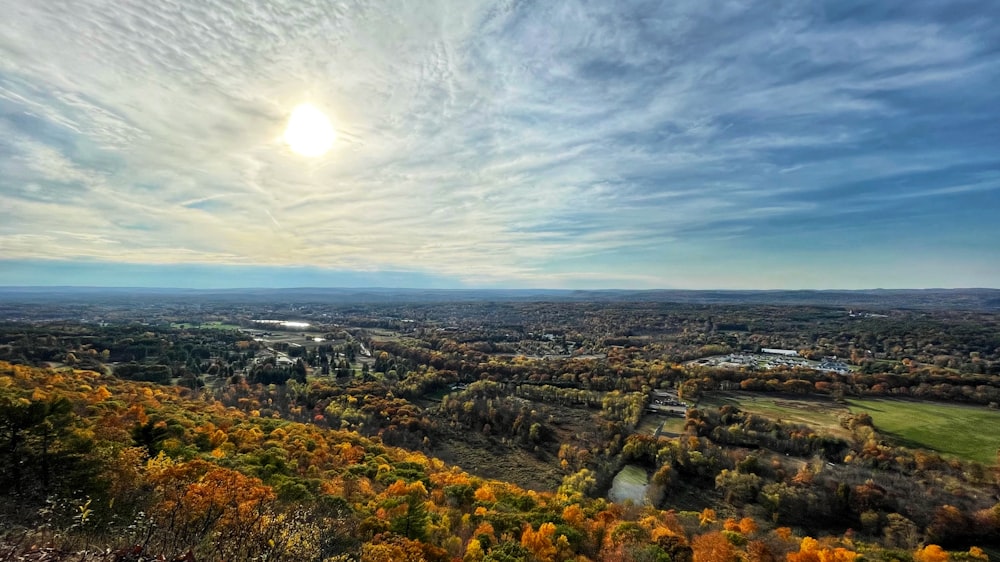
point(478, 289)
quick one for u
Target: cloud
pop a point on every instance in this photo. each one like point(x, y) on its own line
point(548, 143)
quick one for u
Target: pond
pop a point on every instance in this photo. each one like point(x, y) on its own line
point(630, 483)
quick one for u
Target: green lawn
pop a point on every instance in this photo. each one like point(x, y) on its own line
point(967, 432)
point(955, 430)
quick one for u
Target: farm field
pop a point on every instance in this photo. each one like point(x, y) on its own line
point(817, 413)
point(966, 432)
point(955, 430)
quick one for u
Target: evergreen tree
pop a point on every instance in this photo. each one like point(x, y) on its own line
point(413, 523)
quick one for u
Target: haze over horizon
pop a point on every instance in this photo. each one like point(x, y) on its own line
point(564, 144)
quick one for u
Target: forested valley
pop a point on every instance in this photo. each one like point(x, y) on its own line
point(159, 429)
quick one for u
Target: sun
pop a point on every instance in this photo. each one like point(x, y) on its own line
point(309, 131)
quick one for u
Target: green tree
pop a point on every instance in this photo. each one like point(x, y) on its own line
point(39, 449)
point(412, 524)
point(507, 552)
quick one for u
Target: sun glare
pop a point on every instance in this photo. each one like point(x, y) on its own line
point(309, 132)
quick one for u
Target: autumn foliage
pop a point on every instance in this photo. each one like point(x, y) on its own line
point(713, 547)
point(160, 471)
point(810, 550)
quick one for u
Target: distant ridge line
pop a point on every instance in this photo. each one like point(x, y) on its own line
point(965, 299)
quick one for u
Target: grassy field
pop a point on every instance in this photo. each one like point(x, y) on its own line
point(954, 430)
point(650, 423)
point(967, 432)
point(821, 414)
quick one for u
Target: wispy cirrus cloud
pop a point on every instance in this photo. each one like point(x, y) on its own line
point(566, 143)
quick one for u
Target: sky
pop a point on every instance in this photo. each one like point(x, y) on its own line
point(549, 144)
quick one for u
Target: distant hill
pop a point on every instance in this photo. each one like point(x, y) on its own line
point(964, 299)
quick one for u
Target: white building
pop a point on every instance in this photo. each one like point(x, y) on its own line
point(788, 352)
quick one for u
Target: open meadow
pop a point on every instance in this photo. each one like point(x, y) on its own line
point(817, 413)
point(957, 430)
point(954, 430)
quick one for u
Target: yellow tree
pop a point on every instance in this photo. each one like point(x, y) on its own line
point(931, 553)
point(392, 549)
point(811, 551)
point(539, 542)
point(573, 515)
point(474, 551)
